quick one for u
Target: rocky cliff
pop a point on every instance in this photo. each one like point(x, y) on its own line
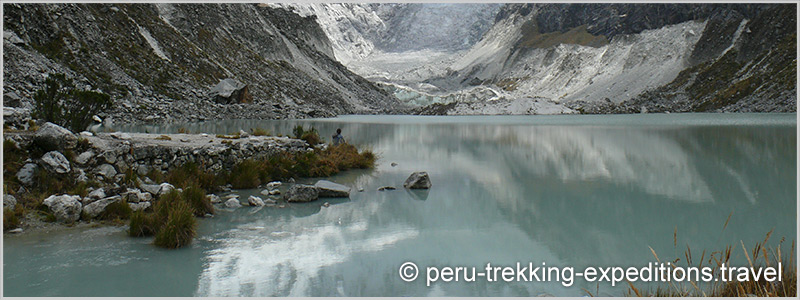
point(160, 61)
point(607, 58)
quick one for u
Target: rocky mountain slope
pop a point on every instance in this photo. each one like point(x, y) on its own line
point(360, 30)
point(606, 58)
point(160, 61)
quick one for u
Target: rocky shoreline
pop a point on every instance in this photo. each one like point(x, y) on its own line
point(119, 168)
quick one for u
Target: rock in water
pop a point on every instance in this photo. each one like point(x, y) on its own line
point(213, 198)
point(94, 209)
point(331, 189)
point(51, 137)
point(229, 91)
point(418, 180)
point(66, 208)
point(25, 174)
point(255, 201)
point(387, 188)
point(302, 193)
point(55, 162)
point(233, 203)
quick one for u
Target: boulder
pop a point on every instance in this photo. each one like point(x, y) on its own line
point(213, 198)
point(9, 201)
point(255, 201)
point(139, 206)
point(229, 91)
point(107, 171)
point(418, 180)
point(66, 208)
point(84, 157)
point(136, 196)
point(233, 203)
point(332, 189)
point(302, 193)
point(164, 188)
point(55, 162)
point(25, 174)
point(51, 137)
point(273, 185)
point(95, 208)
point(121, 136)
point(94, 196)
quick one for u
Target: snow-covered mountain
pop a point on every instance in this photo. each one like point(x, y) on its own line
point(359, 30)
point(568, 58)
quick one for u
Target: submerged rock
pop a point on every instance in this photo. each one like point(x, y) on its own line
point(302, 193)
point(418, 180)
point(66, 208)
point(387, 188)
point(332, 189)
point(55, 162)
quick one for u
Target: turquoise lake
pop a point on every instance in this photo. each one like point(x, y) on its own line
point(566, 190)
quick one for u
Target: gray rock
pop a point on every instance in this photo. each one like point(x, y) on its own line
point(86, 133)
point(139, 206)
point(387, 188)
point(66, 208)
point(84, 157)
point(302, 193)
point(150, 188)
point(213, 198)
point(81, 175)
point(418, 180)
point(15, 230)
point(255, 201)
point(95, 208)
point(121, 136)
point(107, 171)
point(243, 134)
point(9, 201)
point(55, 162)
point(273, 185)
point(51, 136)
point(332, 189)
point(25, 174)
point(94, 196)
point(136, 196)
point(164, 188)
point(265, 192)
point(229, 91)
point(233, 203)
point(97, 119)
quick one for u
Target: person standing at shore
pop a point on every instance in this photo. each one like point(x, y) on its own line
point(338, 138)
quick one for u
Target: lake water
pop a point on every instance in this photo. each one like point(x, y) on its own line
point(565, 190)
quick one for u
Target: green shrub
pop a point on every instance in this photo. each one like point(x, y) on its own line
point(119, 210)
point(245, 174)
point(142, 224)
point(196, 197)
point(179, 229)
point(311, 136)
point(60, 102)
point(10, 219)
point(260, 132)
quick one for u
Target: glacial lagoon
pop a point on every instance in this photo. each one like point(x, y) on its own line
point(566, 190)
